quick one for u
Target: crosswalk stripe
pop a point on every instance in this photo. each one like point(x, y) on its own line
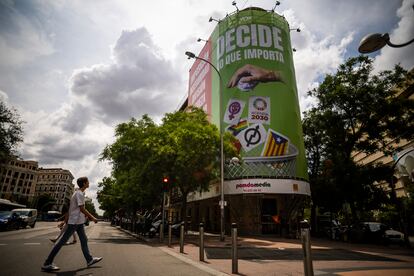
point(32, 243)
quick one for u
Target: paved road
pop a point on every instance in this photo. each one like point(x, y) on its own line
point(23, 252)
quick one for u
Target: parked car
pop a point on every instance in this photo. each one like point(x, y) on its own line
point(9, 220)
point(28, 216)
point(374, 232)
point(394, 236)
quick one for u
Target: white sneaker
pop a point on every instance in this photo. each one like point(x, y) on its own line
point(50, 267)
point(95, 260)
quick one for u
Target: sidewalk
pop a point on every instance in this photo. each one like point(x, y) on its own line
point(271, 255)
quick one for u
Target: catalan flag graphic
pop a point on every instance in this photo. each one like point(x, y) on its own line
point(276, 144)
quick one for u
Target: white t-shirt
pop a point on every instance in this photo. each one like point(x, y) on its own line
point(75, 215)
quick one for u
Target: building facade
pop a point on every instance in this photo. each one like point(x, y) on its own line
point(18, 180)
point(57, 183)
point(265, 191)
point(402, 159)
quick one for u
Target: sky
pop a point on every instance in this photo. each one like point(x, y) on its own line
point(74, 69)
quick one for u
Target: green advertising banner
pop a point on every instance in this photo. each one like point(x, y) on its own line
point(260, 105)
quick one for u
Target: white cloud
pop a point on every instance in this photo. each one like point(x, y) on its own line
point(138, 81)
point(3, 96)
point(314, 57)
point(403, 33)
point(22, 31)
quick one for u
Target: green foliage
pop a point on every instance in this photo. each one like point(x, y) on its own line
point(11, 132)
point(131, 155)
point(185, 148)
point(189, 151)
point(356, 111)
point(107, 196)
point(91, 208)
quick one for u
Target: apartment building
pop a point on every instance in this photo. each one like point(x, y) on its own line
point(56, 182)
point(18, 180)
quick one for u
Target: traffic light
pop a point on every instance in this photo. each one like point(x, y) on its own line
point(165, 186)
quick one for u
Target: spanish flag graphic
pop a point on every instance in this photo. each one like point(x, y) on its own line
point(276, 144)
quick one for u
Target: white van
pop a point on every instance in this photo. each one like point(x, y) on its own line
point(28, 216)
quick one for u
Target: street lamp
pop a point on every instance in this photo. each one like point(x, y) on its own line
point(192, 55)
point(374, 42)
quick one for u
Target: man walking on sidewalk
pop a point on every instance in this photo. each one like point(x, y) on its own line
point(76, 220)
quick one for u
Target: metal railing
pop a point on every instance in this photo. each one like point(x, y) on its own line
point(264, 167)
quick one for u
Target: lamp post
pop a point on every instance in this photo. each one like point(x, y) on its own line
point(192, 55)
point(374, 42)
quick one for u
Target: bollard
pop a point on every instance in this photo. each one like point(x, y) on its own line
point(234, 261)
point(201, 232)
point(306, 246)
point(161, 232)
point(182, 237)
point(169, 234)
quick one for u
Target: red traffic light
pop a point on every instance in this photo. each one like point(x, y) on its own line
point(165, 179)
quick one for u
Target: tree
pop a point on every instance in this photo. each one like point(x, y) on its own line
point(356, 111)
point(91, 208)
point(189, 151)
point(11, 132)
point(185, 148)
point(131, 156)
point(107, 196)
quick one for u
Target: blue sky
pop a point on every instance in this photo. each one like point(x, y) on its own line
point(74, 69)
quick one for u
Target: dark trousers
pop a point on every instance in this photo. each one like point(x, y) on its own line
point(80, 229)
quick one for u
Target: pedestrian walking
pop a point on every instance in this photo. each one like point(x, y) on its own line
point(76, 219)
point(63, 226)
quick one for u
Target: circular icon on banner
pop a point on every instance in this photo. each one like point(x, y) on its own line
point(234, 108)
point(252, 136)
point(260, 104)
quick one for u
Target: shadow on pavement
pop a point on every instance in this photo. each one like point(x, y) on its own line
point(294, 254)
point(116, 240)
point(73, 272)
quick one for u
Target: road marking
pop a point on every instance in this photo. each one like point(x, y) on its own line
point(32, 243)
point(3, 243)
